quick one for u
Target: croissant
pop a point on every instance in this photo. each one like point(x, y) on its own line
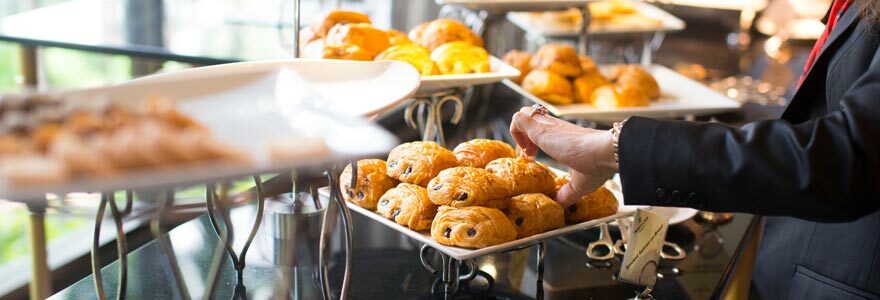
point(585, 85)
point(520, 60)
point(413, 54)
point(534, 213)
point(323, 25)
point(372, 182)
point(479, 152)
point(560, 58)
point(598, 204)
point(441, 31)
point(523, 176)
point(549, 86)
point(466, 186)
point(419, 162)
point(635, 76)
point(408, 205)
point(472, 227)
point(460, 58)
point(369, 39)
point(614, 96)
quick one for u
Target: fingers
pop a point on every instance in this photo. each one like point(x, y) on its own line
point(579, 186)
point(521, 120)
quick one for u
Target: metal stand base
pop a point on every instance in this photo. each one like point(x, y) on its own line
point(121, 246)
point(425, 113)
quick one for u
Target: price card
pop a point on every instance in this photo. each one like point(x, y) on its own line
point(646, 237)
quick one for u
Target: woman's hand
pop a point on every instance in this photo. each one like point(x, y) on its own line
point(588, 153)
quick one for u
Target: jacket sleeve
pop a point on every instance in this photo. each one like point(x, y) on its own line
point(826, 169)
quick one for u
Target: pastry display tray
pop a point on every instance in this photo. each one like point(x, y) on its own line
point(466, 253)
point(498, 71)
point(502, 6)
point(680, 97)
point(277, 116)
point(668, 23)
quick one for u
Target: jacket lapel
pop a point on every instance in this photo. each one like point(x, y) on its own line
point(794, 109)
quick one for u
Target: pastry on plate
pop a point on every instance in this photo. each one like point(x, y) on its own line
point(587, 64)
point(345, 52)
point(549, 86)
point(419, 162)
point(636, 76)
point(598, 204)
point(321, 27)
point(413, 54)
point(408, 205)
point(460, 58)
point(472, 227)
point(397, 37)
point(523, 176)
point(441, 31)
point(560, 58)
point(369, 39)
point(534, 213)
point(479, 152)
point(586, 84)
point(520, 60)
point(466, 186)
point(616, 96)
point(372, 183)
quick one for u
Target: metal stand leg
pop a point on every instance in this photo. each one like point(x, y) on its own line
point(539, 285)
point(166, 198)
point(584, 44)
point(430, 114)
point(29, 66)
point(217, 210)
point(345, 214)
point(121, 247)
point(41, 284)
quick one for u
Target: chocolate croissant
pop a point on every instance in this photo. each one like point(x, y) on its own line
point(598, 204)
point(534, 213)
point(408, 205)
point(419, 162)
point(466, 186)
point(523, 176)
point(372, 182)
point(472, 227)
point(478, 153)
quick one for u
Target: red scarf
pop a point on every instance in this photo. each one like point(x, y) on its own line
point(837, 9)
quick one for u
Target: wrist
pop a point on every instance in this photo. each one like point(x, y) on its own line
point(610, 159)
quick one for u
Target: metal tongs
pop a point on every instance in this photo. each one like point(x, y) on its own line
point(670, 250)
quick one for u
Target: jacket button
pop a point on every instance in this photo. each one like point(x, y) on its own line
point(678, 197)
point(696, 200)
point(662, 196)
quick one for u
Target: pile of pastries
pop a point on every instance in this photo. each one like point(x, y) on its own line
point(477, 195)
point(442, 46)
point(558, 75)
point(43, 141)
point(604, 15)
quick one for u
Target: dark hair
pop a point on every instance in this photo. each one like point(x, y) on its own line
point(869, 11)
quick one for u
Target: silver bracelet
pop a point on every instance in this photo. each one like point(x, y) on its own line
point(615, 138)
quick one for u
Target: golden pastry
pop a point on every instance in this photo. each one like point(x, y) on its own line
point(636, 76)
point(346, 52)
point(479, 152)
point(372, 182)
point(615, 96)
point(419, 162)
point(534, 213)
point(598, 204)
point(466, 186)
point(472, 227)
point(548, 86)
point(396, 37)
point(323, 25)
point(460, 58)
point(408, 205)
point(585, 85)
point(559, 58)
point(523, 176)
point(520, 60)
point(413, 54)
point(370, 39)
point(441, 31)
point(587, 64)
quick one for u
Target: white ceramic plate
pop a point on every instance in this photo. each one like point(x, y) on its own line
point(270, 113)
point(352, 88)
point(756, 5)
point(498, 71)
point(501, 6)
point(668, 23)
point(464, 253)
point(680, 97)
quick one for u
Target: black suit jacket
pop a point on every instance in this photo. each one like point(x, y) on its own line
point(817, 169)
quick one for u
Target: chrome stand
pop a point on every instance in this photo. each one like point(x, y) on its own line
point(425, 113)
point(121, 246)
point(41, 280)
point(327, 230)
point(166, 200)
point(217, 209)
